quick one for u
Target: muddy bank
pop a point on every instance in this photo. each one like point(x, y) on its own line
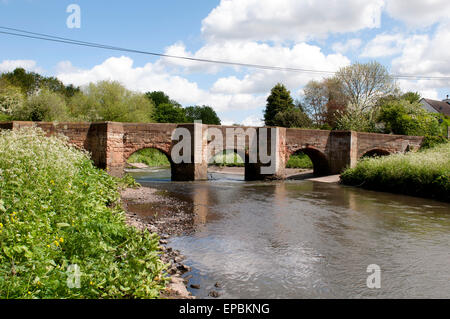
point(166, 222)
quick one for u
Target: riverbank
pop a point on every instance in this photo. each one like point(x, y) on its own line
point(62, 232)
point(165, 223)
point(424, 174)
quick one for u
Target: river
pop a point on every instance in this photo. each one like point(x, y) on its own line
point(305, 239)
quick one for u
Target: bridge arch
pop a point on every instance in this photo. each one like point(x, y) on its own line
point(376, 152)
point(154, 153)
point(318, 158)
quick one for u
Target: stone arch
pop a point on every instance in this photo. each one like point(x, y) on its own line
point(376, 152)
point(318, 158)
point(132, 151)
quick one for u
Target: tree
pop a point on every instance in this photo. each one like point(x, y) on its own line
point(158, 97)
point(169, 113)
point(323, 100)
point(11, 99)
point(45, 106)
point(279, 100)
point(111, 101)
point(406, 118)
point(204, 113)
point(315, 101)
point(31, 82)
point(293, 118)
point(364, 84)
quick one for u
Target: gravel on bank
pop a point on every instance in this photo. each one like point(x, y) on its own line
point(175, 222)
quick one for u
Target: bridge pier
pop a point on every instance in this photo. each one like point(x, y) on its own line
point(271, 144)
point(196, 167)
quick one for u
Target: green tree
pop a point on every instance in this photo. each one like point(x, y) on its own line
point(169, 113)
point(111, 101)
point(158, 97)
point(293, 118)
point(45, 106)
point(204, 113)
point(279, 100)
point(31, 82)
point(406, 118)
point(11, 99)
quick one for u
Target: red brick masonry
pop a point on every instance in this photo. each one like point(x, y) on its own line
point(111, 143)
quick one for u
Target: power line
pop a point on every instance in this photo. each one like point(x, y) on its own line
point(46, 37)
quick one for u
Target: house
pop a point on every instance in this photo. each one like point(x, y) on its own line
point(434, 106)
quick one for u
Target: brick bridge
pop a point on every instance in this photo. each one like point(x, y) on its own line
point(111, 144)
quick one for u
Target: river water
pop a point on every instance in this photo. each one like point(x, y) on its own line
point(304, 239)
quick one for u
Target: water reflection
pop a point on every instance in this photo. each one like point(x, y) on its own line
point(301, 239)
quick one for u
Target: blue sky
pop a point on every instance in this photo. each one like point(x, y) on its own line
point(408, 37)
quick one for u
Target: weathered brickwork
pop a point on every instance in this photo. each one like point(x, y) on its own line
point(111, 144)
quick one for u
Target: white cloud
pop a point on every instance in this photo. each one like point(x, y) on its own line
point(419, 13)
point(425, 55)
point(10, 65)
point(349, 45)
point(301, 55)
point(253, 120)
point(384, 45)
point(152, 77)
point(268, 20)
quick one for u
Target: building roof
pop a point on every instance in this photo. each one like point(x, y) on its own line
point(440, 106)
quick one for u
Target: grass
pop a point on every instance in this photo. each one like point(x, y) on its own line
point(425, 173)
point(150, 157)
point(228, 159)
point(300, 160)
point(59, 221)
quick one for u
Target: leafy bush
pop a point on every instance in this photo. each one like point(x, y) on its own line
point(150, 157)
point(425, 173)
point(43, 106)
point(299, 161)
point(406, 118)
point(110, 101)
point(227, 158)
point(57, 210)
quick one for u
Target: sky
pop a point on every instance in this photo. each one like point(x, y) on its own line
point(408, 37)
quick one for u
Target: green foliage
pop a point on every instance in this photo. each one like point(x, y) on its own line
point(405, 118)
point(169, 113)
point(411, 97)
point(158, 97)
point(425, 173)
point(204, 113)
point(11, 99)
point(57, 210)
point(30, 82)
point(228, 159)
point(150, 157)
point(111, 101)
point(356, 119)
point(432, 141)
point(43, 106)
point(279, 100)
point(300, 160)
point(292, 118)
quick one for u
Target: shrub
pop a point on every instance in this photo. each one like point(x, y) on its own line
point(150, 157)
point(58, 210)
point(111, 101)
point(425, 173)
point(43, 106)
point(299, 161)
